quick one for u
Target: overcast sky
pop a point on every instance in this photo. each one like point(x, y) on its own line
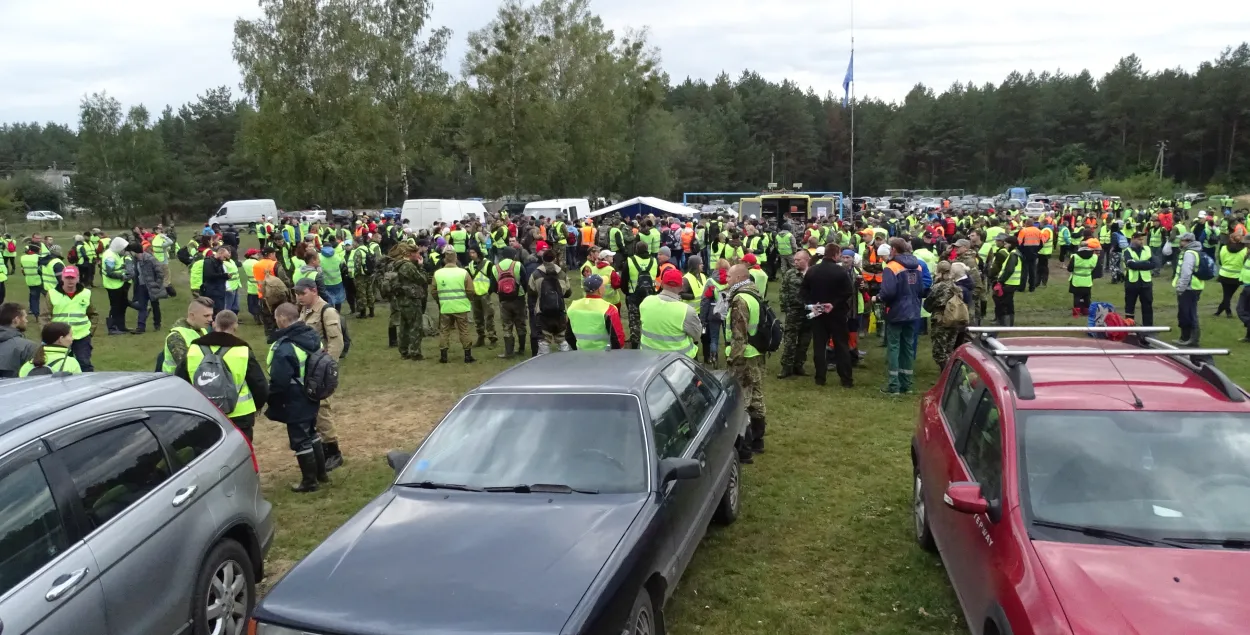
point(52, 52)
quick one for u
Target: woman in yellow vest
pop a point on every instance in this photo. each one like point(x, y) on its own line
point(611, 291)
point(1230, 257)
point(246, 373)
point(54, 356)
point(595, 322)
point(1084, 268)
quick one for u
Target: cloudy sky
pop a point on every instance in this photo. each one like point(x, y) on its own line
point(52, 52)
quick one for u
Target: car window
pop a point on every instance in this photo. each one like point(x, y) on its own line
point(708, 383)
point(690, 391)
point(31, 533)
point(672, 430)
point(185, 435)
point(113, 469)
point(983, 451)
point(962, 388)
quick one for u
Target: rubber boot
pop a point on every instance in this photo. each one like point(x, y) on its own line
point(392, 336)
point(481, 342)
point(468, 356)
point(758, 428)
point(334, 457)
point(319, 452)
point(744, 451)
point(360, 315)
point(799, 372)
point(442, 356)
point(308, 473)
point(509, 345)
point(371, 312)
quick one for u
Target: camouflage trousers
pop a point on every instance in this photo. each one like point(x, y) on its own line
point(395, 319)
point(749, 371)
point(266, 318)
point(785, 263)
point(798, 334)
point(635, 323)
point(512, 314)
point(483, 316)
point(459, 322)
point(411, 328)
point(558, 250)
point(366, 295)
point(944, 341)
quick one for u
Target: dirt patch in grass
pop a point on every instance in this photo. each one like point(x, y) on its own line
point(1243, 200)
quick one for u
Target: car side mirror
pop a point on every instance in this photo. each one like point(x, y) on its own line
point(397, 459)
point(965, 497)
point(678, 469)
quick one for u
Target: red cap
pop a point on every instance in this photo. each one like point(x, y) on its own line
point(749, 259)
point(70, 272)
point(671, 278)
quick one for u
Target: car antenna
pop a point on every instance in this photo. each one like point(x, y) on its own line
point(1137, 403)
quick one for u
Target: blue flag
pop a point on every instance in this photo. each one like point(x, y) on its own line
point(846, 81)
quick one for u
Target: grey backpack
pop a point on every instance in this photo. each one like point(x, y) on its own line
point(213, 379)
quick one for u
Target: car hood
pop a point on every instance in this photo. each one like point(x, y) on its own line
point(440, 562)
point(1114, 590)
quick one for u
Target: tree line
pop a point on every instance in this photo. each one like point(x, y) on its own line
point(347, 103)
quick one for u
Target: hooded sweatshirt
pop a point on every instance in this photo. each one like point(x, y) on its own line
point(287, 402)
point(15, 350)
point(1188, 265)
point(902, 287)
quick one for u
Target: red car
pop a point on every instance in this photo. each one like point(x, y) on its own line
point(1087, 487)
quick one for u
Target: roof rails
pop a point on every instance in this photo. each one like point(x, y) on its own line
point(1013, 360)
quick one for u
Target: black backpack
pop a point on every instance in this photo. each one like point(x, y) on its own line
point(214, 380)
point(321, 375)
point(646, 284)
point(184, 256)
point(768, 331)
point(550, 296)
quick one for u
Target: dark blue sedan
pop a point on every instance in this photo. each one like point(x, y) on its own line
point(564, 496)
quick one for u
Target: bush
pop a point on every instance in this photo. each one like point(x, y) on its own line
point(1144, 185)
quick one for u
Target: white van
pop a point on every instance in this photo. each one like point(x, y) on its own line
point(423, 213)
point(572, 208)
point(241, 213)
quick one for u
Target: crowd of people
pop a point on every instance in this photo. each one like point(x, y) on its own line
point(643, 284)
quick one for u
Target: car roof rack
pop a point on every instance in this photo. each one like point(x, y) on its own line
point(1013, 360)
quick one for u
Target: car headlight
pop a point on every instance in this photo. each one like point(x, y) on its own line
point(261, 628)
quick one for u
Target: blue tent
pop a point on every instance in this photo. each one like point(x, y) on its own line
point(642, 205)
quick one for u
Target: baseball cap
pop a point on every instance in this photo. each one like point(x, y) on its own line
point(847, 252)
point(1001, 237)
point(883, 250)
point(963, 242)
point(606, 254)
point(70, 272)
point(671, 278)
point(750, 259)
point(592, 283)
point(306, 284)
point(1188, 236)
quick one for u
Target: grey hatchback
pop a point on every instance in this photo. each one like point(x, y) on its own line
point(129, 505)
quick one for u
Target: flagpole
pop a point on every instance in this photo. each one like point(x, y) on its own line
point(852, 109)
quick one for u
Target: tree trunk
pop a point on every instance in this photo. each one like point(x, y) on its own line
point(1232, 143)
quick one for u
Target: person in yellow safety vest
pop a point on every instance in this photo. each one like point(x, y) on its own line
point(484, 285)
point(4, 276)
point(31, 273)
point(233, 284)
point(9, 248)
point(53, 356)
point(595, 322)
point(758, 276)
point(1044, 253)
point(196, 323)
point(1188, 289)
point(1230, 257)
point(1084, 267)
point(294, 341)
point(695, 281)
point(758, 244)
point(69, 302)
point(453, 287)
point(458, 239)
point(1243, 300)
point(746, 363)
point(263, 230)
point(246, 373)
point(160, 245)
point(248, 271)
point(1138, 266)
point(50, 266)
point(650, 236)
point(786, 246)
point(670, 325)
point(611, 291)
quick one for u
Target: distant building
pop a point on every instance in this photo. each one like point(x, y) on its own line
point(60, 179)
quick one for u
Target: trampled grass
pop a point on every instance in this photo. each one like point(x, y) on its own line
point(824, 541)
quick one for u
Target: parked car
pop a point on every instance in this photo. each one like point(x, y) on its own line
point(1081, 486)
point(43, 216)
point(565, 495)
point(1035, 208)
point(128, 503)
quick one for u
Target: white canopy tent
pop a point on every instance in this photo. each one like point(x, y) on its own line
point(645, 205)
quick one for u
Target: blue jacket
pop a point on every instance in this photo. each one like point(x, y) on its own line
point(902, 288)
point(287, 402)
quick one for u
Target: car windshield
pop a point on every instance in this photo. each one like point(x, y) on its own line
point(1156, 474)
point(587, 442)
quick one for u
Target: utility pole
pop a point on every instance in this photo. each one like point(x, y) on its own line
point(1158, 169)
point(772, 167)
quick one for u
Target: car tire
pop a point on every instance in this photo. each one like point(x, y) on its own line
point(731, 500)
point(225, 591)
point(642, 617)
point(920, 513)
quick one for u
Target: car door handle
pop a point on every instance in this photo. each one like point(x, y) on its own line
point(63, 587)
point(183, 495)
point(701, 457)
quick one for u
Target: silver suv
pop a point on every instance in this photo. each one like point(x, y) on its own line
point(128, 505)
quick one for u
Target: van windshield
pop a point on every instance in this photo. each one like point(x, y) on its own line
point(220, 212)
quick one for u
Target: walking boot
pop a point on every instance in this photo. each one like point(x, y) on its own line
point(334, 458)
point(494, 341)
point(744, 452)
point(442, 356)
point(508, 346)
point(360, 315)
point(371, 312)
point(392, 336)
point(1195, 336)
point(481, 342)
point(799, 372)
point(533, 347)
point(319, 452)
point(758, 428)
point(785, 373)
point(308, 473)
point(468, 356)
point(1247, 337)
point(1184, 340)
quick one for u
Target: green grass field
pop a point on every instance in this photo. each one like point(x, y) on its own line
point(824, 542)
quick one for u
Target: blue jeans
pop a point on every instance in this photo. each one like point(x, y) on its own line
point(232, 300)
point(81, 350)
point(144, 299)
point(253, 305)
point(35, 294)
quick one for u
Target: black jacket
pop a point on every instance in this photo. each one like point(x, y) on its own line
point(287, 402)
point(828, 282)
point(255, 375)
point(215, 277)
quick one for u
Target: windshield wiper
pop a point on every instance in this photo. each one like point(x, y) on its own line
point(433, 485)
point(1227, 543)
point(1111, 534)
point(541, 487)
